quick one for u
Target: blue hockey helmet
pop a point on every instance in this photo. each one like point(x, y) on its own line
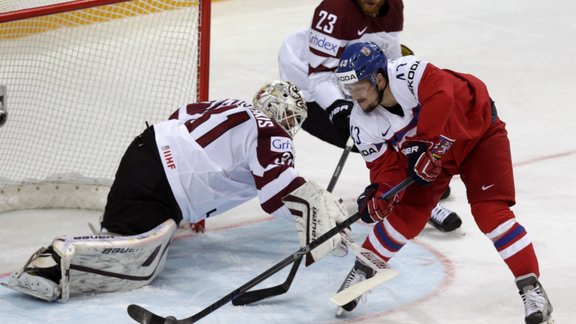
point(361, 61)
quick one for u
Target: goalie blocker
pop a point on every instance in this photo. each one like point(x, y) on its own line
point(316, 211)
point(94, 264)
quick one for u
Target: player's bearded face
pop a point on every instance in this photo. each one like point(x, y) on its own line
point(365, 94)
point(370, 7)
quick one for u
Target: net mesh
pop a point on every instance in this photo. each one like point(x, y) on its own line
point(81, 84)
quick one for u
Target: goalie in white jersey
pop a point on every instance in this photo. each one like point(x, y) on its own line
point(208, 158)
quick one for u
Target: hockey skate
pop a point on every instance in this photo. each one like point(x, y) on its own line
point(536, 303)
point(446, 193)
point(359, 272)
point(39, 277)
point(443, 219)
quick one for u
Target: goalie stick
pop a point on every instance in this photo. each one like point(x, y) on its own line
point(144, 316)
point(253, 296)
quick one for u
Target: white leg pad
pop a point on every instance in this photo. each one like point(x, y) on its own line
point(113, 263)
point(100, 263)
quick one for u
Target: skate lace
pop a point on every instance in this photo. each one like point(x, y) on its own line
point(353, 278)
point(439, 213)
point(534, 301)
point(32, 258)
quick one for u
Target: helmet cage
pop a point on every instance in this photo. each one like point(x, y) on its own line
point(283, 102)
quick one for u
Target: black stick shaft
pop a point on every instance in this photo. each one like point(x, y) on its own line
point(340, 165)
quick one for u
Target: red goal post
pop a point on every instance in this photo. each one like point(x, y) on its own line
point(80, 79)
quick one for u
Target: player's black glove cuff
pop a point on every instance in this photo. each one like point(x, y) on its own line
point(339, 114)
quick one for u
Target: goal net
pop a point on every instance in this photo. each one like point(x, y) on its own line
point(79, 80)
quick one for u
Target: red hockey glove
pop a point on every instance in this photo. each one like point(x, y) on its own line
point(371, 207)
point(422, 166)
point(199, 227)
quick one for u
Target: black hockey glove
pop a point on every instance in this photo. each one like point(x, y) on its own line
point(339, 113)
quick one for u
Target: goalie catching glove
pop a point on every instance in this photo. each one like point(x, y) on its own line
point(316, 211)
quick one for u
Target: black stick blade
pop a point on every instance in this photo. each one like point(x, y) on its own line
point(253, 296)
point(250, 297)
point(144, 316)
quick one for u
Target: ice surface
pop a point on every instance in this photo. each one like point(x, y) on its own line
point(523, 50)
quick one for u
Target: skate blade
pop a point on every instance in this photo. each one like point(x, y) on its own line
point(339, 311)
point(457, 232)
point(349, 294)
point(29, 292)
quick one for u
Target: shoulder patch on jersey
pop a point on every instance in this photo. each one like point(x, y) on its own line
point(280, 144)
point(411, 75)
point(323, 43)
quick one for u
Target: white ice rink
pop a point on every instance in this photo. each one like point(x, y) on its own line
point(523, 49)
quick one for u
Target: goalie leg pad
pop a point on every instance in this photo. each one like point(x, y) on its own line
point(316, 212)
point(99, 263)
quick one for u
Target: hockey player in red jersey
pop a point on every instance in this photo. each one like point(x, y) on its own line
point(208, 158)
point(309, 59)
point(402, 107)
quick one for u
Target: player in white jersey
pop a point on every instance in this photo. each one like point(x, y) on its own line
point(406, 111)
point(206, 159)
point(309, 58)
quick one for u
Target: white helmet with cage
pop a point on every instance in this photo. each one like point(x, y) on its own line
point(284, 102)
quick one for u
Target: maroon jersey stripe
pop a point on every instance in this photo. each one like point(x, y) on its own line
point(275, 202)
point(230, 122)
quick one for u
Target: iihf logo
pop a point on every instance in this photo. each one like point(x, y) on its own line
point(167, 154)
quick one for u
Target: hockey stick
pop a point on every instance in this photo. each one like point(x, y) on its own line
point(253, 296)
point(142, 315)
point(340, 165)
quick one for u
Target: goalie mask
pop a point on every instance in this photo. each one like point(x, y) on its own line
point(283, 102)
